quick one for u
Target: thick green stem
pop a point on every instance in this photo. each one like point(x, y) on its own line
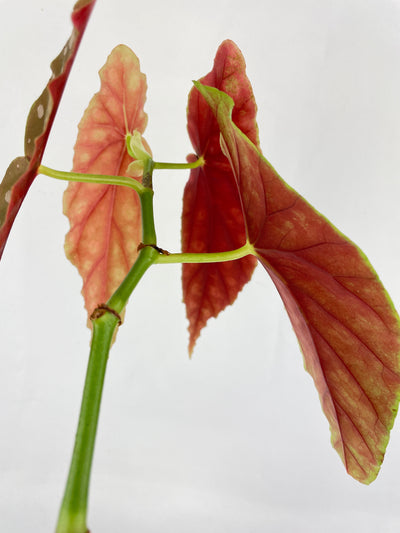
point(72, 517)
point(147, 179)
point(148, 227)
point(147, 256)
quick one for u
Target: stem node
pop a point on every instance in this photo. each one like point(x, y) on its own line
point(157, 248)
point(102, 309)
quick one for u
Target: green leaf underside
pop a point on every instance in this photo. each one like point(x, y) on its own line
point(212, 220)
point(105, 219)
point(345, 322)
point(23, 170)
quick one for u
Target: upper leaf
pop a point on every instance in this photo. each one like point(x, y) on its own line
point(22, 171)
point(106, 219)
point(212, 220)
point(344, 320)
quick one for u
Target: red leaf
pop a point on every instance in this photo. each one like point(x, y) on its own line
point(106, 219)
point(344, 320)
point(212, 220)
point(22, 171)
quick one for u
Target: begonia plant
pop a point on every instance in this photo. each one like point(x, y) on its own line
point(237, 213)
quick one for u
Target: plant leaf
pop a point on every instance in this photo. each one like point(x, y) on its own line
point(23, 170)
point(211, 219)
point(106, 219)
point(344, 320)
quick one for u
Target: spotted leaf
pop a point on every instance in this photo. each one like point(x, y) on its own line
point(23, 170)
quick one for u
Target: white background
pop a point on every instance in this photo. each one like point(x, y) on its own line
point(234, 440)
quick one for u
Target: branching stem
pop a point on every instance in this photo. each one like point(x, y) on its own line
point(72, 517)
point(73, 512)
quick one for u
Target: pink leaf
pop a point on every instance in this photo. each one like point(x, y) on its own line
point(212, 220)
point(106, 219)
point(344, 320)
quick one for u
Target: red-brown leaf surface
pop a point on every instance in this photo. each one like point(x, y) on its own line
point(105, 219)
point(344, 320)
point(212, 220)
point(23, 170)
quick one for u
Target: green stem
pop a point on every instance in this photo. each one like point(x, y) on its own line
point(72, 517)
point(212, 257)
point(73, 512)
point(147, 256)
point(93, 178)
point(179, 166)
point(148, 166)
point(148, 228)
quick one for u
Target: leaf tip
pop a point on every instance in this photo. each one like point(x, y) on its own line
point(192, 341)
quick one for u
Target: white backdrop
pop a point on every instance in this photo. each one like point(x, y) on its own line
point(234, 440)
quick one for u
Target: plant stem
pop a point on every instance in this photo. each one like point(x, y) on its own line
point(147, 256)
point(73, 512)
point(72, 517)
point(212, 257)
point(93, 178)
point(148, 228)
point(179, 166)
